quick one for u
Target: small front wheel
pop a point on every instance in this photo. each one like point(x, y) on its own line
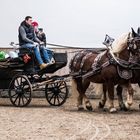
point(56, 92)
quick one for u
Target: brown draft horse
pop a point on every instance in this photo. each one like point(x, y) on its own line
point(134, 80)
point(108, 75)
point(119, 89)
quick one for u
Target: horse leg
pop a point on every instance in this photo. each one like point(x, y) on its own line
point(130, 93)
point(139, 86)
point(80, 103)
point(82, 90)
point(103, 97)
point(120, 98)
point(82, 96)
point(87, 103)
point(110, 88)
point(75, 87)
point(86, 100)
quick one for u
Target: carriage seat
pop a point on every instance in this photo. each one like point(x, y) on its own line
point(27, 55)
point(23, 50)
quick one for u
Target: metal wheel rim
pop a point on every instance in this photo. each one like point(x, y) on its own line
point(20, 91)
point(56, 93)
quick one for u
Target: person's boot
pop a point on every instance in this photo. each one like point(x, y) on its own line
point(43, 66)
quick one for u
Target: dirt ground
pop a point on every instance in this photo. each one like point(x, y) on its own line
point(40, 121)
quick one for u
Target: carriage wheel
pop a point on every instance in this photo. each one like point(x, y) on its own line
point(20, 90)
point(56, 93)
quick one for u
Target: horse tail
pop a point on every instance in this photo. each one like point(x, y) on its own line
point(98, 88)
point(74, 87)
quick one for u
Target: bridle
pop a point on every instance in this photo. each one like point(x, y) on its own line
point(133, 44)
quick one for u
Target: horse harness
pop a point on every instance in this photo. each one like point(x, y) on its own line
point(96, 68)
point(124, 68)
point(85, 55)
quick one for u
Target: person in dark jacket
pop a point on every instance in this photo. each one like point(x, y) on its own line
point(27, 38)
point(41, 35)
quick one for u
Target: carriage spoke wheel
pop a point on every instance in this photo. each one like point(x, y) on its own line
point(20, 91)
point(56, 93)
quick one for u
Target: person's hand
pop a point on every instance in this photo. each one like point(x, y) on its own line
point(41, 43)
point(36, 44)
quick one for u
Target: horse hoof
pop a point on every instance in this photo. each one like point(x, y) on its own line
point(100, 105)
point(80, 108)
point(89, 108)
point(113, 110)
point(105, 109)
point(127, 106)
point(123, 107)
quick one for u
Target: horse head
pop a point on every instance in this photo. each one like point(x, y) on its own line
point(127, 44)
point(134, 43)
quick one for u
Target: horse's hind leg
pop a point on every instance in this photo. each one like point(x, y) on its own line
point(80, 87)
point(86, 100)
point(103, 97)
point(88, 103)
point(139, 86)
point(120, 98)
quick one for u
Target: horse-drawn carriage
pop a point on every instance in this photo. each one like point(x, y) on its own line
point(117, 65)
point(20, 78)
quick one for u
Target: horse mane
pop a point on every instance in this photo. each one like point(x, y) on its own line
point(120, 44)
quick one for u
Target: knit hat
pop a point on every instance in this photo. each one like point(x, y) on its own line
point(34, 24)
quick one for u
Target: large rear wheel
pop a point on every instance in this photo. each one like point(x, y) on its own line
point(20, 91)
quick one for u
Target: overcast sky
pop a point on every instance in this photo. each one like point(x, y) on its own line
point(81, 23)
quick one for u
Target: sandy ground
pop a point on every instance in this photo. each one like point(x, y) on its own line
point(40, 121)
